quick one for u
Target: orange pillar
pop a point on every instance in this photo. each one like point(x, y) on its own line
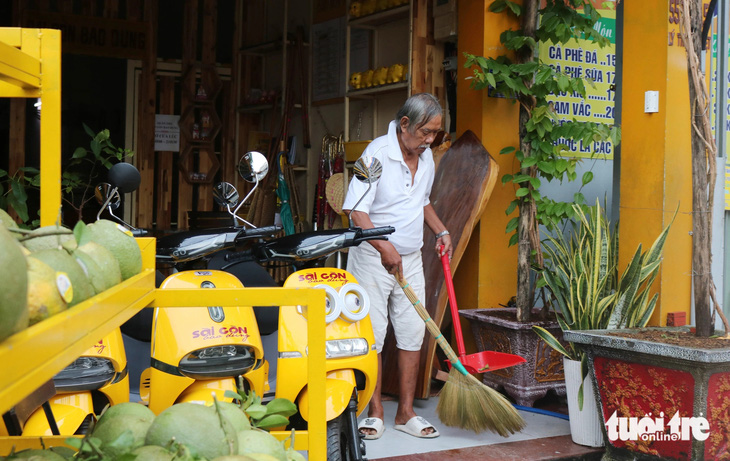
point(487, 273)
point(655, 169)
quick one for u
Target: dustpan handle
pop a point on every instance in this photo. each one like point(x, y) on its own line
point(452, 303)
point(430, 325)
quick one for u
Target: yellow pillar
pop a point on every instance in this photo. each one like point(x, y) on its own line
point(488, 263)
point(656, 173)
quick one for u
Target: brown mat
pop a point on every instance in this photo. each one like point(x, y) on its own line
point(464, 181)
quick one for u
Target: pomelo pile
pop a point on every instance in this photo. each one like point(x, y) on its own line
point(52, 268)
point(184, 431)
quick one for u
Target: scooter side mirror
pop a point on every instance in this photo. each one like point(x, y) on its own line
point(366, 169)
point(225, 195)
point(253, 166)
point(125, 177)
point(105, 191)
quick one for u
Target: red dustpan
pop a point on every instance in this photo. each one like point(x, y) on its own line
point(479, 362)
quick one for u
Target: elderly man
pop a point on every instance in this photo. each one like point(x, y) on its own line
point(400, 198)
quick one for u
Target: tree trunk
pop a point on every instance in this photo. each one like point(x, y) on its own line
point(701, 211)
point(526, 226)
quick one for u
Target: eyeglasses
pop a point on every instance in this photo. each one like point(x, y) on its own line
point(425, 132)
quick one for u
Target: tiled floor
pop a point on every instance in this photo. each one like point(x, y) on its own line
point(545, 437)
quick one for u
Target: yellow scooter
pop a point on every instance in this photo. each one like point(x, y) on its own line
point(84, 388)
point(351, 358)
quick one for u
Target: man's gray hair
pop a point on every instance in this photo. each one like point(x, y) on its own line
point(420, 109)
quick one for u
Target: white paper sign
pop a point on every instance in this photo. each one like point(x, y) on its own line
point(167, 133)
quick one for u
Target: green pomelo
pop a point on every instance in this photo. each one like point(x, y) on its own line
point(235, 416)
point(91, 269)
point(127, 409)
point(66, 452)
point(122, 245)
point(234, 458)
point(121, 434)
point(6, 219)
point(106, 261)
point(44, 300)
point(13, 285)
point(49, 237)
point(197, 427)
point(262, 457)
point(61, 261)
point(152, 453)
point(257, 441)
point(38, 455)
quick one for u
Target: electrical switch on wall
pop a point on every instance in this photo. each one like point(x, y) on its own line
point(651, 102)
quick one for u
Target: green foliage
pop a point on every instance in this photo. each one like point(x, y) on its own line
point(582, 276)
point(80, 174)
point(276, 413)
point(531, 83)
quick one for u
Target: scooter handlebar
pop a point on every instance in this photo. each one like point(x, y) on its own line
point(268, 231)
point(375, 232)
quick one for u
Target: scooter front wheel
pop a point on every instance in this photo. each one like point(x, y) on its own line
point(340, 440)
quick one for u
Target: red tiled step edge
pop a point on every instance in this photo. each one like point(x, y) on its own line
point(546, 448)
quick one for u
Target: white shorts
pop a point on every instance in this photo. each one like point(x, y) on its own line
point(387, 298)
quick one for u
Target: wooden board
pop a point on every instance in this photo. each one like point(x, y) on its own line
point(464, 180)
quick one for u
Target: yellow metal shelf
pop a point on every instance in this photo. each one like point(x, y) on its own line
point(34, 355)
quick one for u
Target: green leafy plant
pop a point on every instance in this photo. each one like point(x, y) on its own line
point(587, 291)
point(275, 413)
point(543, 138)
point(80, 174)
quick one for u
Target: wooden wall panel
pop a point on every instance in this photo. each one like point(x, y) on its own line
point(208, 46)
point(145, 154)
point(165, 163)
point(190, 42)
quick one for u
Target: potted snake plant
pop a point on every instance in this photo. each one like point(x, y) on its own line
point(588, 293)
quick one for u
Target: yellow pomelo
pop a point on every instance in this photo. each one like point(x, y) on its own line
point(49, 237)
point(61, 261)
point(13, 286)
point(122, 245)
point(44, 299)
point(106, 261)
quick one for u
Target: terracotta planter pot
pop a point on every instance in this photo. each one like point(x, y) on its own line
point(498, 330)
point(652, 382)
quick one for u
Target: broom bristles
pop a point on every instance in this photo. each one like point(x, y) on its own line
point(467, 403)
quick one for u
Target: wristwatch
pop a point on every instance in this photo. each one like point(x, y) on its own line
point(441, 234)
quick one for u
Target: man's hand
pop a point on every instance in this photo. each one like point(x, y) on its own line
point(390, 258)
point(444, 241)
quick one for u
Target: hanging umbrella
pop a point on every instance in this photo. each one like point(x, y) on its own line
point(282, 191)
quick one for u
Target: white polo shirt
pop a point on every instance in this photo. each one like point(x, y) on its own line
point(394, 200)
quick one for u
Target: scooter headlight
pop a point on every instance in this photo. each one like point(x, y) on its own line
point(333, 303)
point(355, 302)
point(85, 374)
point(218, 362)
point(338, 348)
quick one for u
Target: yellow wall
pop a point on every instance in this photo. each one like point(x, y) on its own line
point(488, 261)
point(655, 151)
point(655, 156)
